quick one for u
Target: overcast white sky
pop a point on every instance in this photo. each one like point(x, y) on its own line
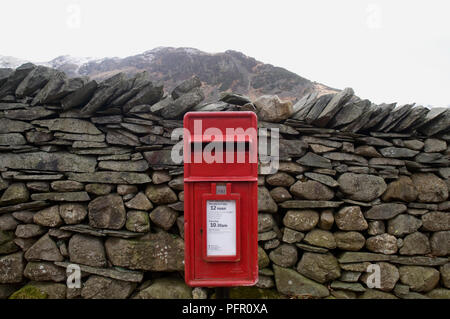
point(388, 51)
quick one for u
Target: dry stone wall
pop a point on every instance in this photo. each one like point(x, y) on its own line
point(87, 179)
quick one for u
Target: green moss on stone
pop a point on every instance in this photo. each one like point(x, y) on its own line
point(29, 292)
point(252, 293)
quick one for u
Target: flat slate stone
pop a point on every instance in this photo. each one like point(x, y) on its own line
point(56, 162)
point(45, 177)
point(333, 107)
point(110, 178)
point(24, 206)
point(398, 152)
point(124, 275)
point(324, 179)
point(346, 157)
point(419, 260)
point(309, 204)
point(124, 166)
point(357, 257)
point(68, 125)
point(312, 249)
point(313, 160)
point(86, 229)
point(385, 211)
point(10, 126)
point(62, 197)
point(28, 114)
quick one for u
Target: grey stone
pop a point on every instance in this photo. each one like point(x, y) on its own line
point(99, 189)
point(397, 152)
point(319, 267)
point(313, 160)
point(23, 206)
point(72, 213)
point(164, 217)
point(280, 179)
point(320, 238)
point(44, 271)
point(376, 227)
point(80, 96)
point(11, 268)
point(62, 197)
point(160, 194)
point(97, 287)
point(48, 217)
point(124, 166)
point(183, 104)
point(419, 279)
point(302, 204)
point(7, 222)
point(266, 204)
point(139, 202)
point(67, 186)
point(433, 145)
point(87, 250)
point(284, 255)
point(402, 189)
point(29, 231)
point(440, 243)
point(166, 288)
point(415, 244)
point(122, 137)
point(301, 220)
point(385, 211)
point(124, 275)
point(152, 252)
point(69, 125)
point(324, 179)
point(291, 236)
point(361, 187)
point(16, 78)
point(311, 190)
point(350, 218)
point(107, 212)
point(265, 222)
point(110, 178)
point(16, 193)
point(44, 249)
point(358, 257)
point(333, 107)
point(60, 162)
point(290, 282)
point(385, 244)
point(403, 224)
point(138, 221)
point(352, 241)
point(280, 194)
point(431, 189)
point(270, 108)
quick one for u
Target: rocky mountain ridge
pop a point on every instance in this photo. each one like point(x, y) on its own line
point(226, 71)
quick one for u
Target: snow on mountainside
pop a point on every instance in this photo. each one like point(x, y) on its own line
point(224, 71)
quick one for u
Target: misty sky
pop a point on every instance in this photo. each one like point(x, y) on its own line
point(388, 51)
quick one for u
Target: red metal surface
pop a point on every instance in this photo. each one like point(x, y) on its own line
point(200, 180)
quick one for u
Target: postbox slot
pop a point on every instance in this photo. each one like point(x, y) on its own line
point(224, 146)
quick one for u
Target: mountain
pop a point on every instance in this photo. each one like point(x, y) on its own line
point(225, 71)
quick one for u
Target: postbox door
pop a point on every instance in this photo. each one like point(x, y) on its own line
point(240, 266)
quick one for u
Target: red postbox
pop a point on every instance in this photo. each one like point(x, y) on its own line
point(220, 199)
